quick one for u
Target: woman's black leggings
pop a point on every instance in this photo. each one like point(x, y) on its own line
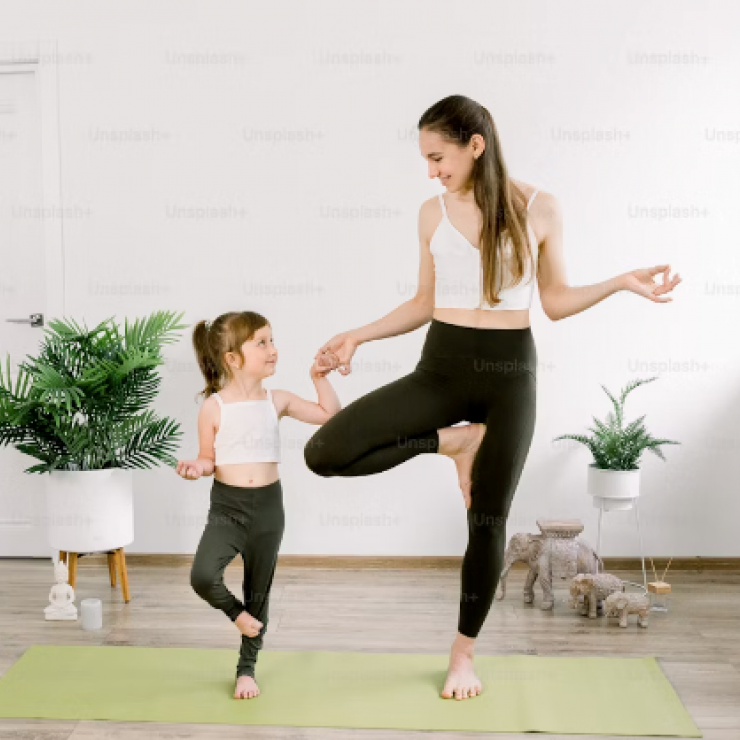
point(248, 521)
point(464, 374)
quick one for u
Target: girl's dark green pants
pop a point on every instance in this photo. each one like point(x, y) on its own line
point(248, 521)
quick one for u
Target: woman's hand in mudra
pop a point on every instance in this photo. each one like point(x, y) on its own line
point(340, 350)
point(642, 283)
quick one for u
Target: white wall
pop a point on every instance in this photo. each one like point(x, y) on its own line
point(346, 84)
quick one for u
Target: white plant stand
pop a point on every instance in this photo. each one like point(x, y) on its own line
point(639, 535)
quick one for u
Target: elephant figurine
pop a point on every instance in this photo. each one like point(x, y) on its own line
point(622, 604)
point(524, 548)
point(594, 587)
point(527, 548)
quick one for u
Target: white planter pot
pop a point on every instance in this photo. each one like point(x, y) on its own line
point(613, 490)
point(90, 510)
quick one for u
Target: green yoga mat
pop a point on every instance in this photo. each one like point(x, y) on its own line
point(521, 693)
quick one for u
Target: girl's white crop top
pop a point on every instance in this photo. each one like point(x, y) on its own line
point(248, 432)
point(459, 275)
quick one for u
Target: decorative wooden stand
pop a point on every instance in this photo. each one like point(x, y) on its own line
point(559, 554)
point(116, 561)
point(560, 547)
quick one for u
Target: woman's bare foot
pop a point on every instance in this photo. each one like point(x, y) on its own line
point(461, 444)
point(248, 625)
point(462, 683)
point(246, 688)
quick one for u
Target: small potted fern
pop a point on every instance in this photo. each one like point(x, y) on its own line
point(614, 476)
point(80, 408)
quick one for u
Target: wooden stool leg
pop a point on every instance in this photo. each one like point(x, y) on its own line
point(112, 568)
point(124, 575)
point(62, 556)
point(72, 566)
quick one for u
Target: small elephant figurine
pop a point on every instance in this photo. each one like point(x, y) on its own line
point(622, 604)
point(527, 548)
point(595, 587)
point(523, 547)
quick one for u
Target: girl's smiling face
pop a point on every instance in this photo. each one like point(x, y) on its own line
point(259, 355)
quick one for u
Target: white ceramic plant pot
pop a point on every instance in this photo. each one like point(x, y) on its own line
point(613, 490)
point(90, 510)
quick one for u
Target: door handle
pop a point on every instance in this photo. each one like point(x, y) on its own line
point(35, 319)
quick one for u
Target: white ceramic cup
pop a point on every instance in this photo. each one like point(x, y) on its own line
point(92, 614)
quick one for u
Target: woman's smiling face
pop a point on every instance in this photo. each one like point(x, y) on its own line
point(451, 163)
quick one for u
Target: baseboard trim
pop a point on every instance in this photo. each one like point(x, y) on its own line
point(404, 562)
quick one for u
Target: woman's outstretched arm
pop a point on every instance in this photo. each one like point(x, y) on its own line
point(409, 316)
point(560, 300)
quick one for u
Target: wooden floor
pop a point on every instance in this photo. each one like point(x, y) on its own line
point(697, 643)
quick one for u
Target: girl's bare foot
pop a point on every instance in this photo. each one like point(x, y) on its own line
point(246, 688)
point(462, 683)
point(248, 625)
point(461, 444)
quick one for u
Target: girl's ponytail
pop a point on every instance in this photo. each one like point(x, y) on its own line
point(205, 359)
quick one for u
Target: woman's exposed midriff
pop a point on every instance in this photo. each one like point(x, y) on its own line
point(483, 319)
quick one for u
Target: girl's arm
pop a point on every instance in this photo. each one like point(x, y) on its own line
point(308, 411)
point(205, 463)
point(207, 421)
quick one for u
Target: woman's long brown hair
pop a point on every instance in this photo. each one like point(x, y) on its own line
point(502, 205)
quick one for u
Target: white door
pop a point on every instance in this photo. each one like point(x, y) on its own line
point(26, 213)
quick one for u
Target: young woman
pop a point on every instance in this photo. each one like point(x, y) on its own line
point(482, 242)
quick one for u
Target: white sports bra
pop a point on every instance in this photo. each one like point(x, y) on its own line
point(459, 276)
point(248, 432)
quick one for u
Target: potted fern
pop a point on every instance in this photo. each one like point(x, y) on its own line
point(614, 476)
point(80, 408)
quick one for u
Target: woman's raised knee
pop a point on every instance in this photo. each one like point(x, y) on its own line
point(316, 454)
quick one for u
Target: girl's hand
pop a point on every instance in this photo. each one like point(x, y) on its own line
point(323, 365)
point(641, 282)
point(342, 346)
point(190, 469)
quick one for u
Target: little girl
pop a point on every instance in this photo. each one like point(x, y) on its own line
point(240, 446)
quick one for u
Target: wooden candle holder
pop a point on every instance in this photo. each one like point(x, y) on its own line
point(659, 587)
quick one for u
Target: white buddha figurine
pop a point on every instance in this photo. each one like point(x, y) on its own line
point(61, 596)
